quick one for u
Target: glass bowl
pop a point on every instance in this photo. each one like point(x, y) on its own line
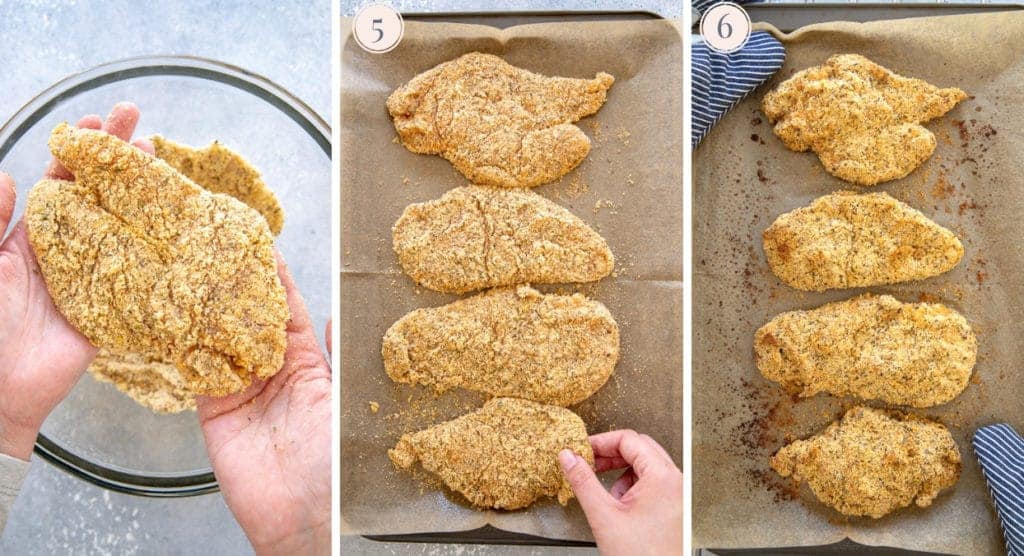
point(97, 433)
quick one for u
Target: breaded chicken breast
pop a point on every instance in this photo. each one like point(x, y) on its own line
point(516, 342)
point(871, 463)
point(140, 259)
point(870, 347)
point(480, 237)
point(503, 455)
point(862, 120)
point(846, 240)
point(153, 381)
point(496, 123)
point(219, 169)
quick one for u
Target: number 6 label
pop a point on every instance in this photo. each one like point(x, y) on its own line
point(378, 28)
point(725, 27)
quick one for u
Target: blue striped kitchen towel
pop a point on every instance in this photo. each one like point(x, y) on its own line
point(722, 80)
point(1000, 451)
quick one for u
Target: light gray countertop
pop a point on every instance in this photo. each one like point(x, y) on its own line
point(46, 40)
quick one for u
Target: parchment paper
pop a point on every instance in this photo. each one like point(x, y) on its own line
point(744, 178)
point(629, 188)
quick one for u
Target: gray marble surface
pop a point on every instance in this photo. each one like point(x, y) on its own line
point(46, 40)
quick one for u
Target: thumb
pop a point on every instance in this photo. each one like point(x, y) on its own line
point(594, 499)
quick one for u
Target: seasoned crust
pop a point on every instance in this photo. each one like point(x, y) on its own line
point(480, 237)
point(497, 124)
point(140, 259)
point(152, 382)
point(871, 347)
point(503, 455)
point(846, 240)
point(219, 169)
point(871, 463)
point(862, 120)
point(517, 342)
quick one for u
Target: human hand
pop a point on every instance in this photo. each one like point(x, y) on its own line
point(271, 445)
point(43, 355)
point(643, 511)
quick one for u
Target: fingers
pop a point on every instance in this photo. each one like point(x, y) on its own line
point(623, 484)
point(92, 121)
point(56, 170)
point(634, 449)
point(303, 351)
point(594, 499)
point(327, 339)
point(8, 197)
point(300, 322)
point(120, 123)
point(145, 145)
point(602, 464)
point(122, 120)
point(654, 443)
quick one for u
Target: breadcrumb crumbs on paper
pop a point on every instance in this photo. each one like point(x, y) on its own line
point(603, 204)
point(623, 135)
point(374, 407)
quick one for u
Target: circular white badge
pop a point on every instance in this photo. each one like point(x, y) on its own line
point(725, 27)
point(378, 28)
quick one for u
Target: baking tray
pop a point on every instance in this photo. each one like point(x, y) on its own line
point(842, 548)
point(489, 534)
point(787, 17)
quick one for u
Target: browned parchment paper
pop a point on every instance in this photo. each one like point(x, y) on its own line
point(629, 188)
point(744, 177)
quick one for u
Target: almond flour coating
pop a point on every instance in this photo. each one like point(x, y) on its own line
point(151, 381)
point(140, 259)
point(503, 455)
point(871, 464)
point(516, 342)
point(861, 119)
point(496, 123)
point(871, 347)
point(480, 237)
point(219, 169)
point(846, 240)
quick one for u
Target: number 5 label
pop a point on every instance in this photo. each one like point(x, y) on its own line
point(725, 27)
point(378, 28)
